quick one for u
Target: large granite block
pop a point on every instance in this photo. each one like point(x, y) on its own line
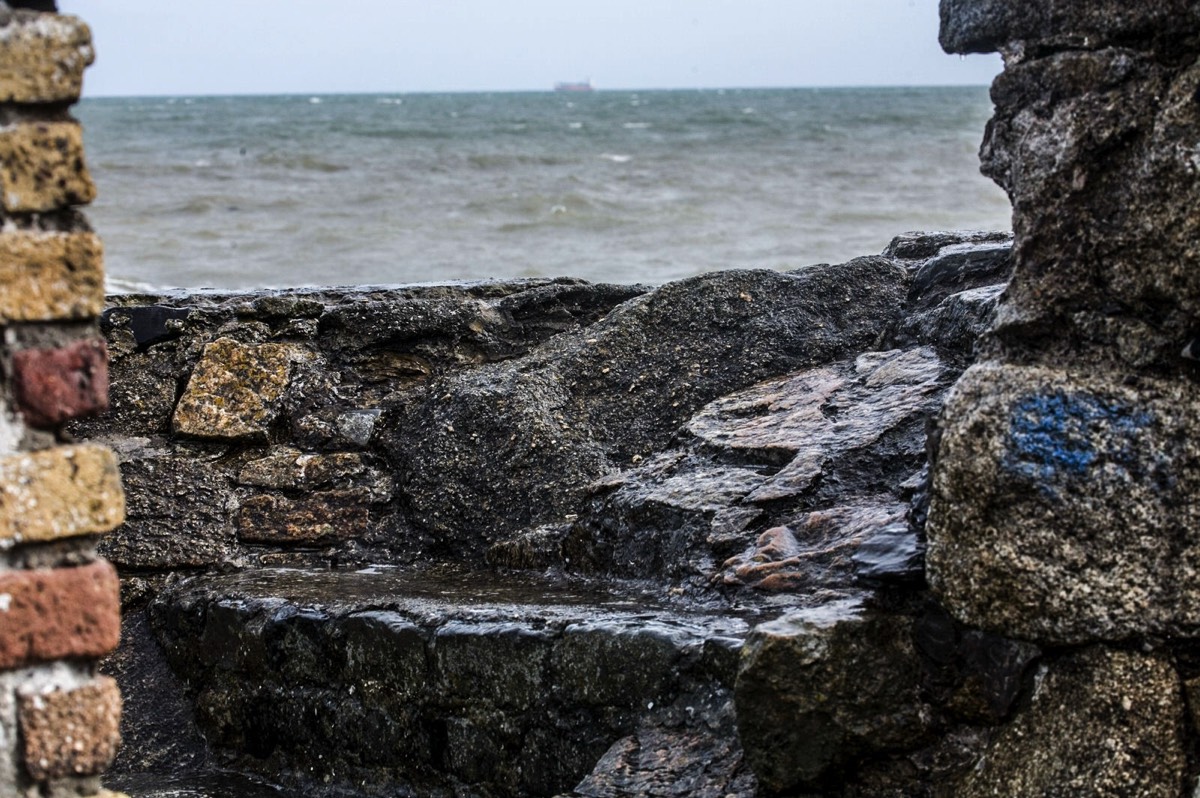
point(1063, 506)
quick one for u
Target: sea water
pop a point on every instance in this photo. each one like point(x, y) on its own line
point(621, 186)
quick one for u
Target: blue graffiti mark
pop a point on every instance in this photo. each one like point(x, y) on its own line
point(1059, 435)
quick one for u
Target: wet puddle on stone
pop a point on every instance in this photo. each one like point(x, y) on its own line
point(194, 786)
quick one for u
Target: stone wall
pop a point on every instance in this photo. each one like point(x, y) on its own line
point(59, 602)
point(1064, 504)
point(744, 447)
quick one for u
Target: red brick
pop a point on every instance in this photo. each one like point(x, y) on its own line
point(56, 385)
point(64, 613)
point(71, 732)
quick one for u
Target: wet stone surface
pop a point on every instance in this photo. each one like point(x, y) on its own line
point(445, 679)
point(671, 466)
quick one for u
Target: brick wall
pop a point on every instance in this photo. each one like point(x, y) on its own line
point(59, 602)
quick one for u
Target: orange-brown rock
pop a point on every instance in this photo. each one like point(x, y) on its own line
point(71, 732)
point(322, 516)
point(56, 385)
point(64, 613)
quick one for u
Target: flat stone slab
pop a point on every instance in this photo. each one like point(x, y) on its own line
point(441, 678)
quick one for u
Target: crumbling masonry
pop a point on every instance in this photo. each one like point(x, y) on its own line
point(59, 603)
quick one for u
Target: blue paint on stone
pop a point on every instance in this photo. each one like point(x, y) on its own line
point(1066, 436)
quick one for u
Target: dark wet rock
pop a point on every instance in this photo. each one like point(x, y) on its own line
point(959, 268)
point(890, 554)
point(192, 785)
point(955, 325)
point(672, 757)
point(335, 428)
point(415, 679)
point(782, 482)
point(983, 26)
point(976, 676)
point(149, 324)
point(825, 689)
point(816, 548)
point(157, 730)
point(515, 406)
point(1088, 139)
point(291, 469)
point(533, 549)
point(607, 396)
point(1063, 506)
point(919, 246)
point(179, 511)
point(320, 516)
point(957, 281)
point(750, 441)
point(1101, 722)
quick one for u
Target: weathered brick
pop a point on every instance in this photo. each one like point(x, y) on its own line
point(42, 168)
point(234, 391)
point(63, 613)
point(71, 732)
point(55, 385)
point(50, 276)
point(57, 493)
point(44, 57)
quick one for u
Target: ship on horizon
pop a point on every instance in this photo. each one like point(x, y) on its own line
point(581, 85)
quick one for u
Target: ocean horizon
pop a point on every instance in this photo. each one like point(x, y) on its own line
point(613, 185)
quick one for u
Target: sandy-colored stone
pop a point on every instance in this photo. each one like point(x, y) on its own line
point(64, 613)
point(71, 732)
point(1064, 505)
point(234, 391)
point(1101, 723)
point(42, 167)
point(44, 57)
point(50, 276)
point(59, 493)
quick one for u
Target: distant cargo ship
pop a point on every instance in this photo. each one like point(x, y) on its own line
point(583, 85)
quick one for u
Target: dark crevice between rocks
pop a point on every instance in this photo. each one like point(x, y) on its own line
point(63, 221)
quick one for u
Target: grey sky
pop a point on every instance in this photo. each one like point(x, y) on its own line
point(269, 46)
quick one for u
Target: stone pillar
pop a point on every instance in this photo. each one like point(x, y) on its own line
point(1066, 492)
point(59, 602)
point(1065, 504)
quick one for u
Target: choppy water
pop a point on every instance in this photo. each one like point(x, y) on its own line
point(615, 186)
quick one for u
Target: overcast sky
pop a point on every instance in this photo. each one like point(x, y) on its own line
point(315, 46)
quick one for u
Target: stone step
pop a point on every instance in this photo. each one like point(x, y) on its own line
point(445, 681)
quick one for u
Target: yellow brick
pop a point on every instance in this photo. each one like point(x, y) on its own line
point(59, 493)
point(42, 57)
point(42, 168)
point(50, 276)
